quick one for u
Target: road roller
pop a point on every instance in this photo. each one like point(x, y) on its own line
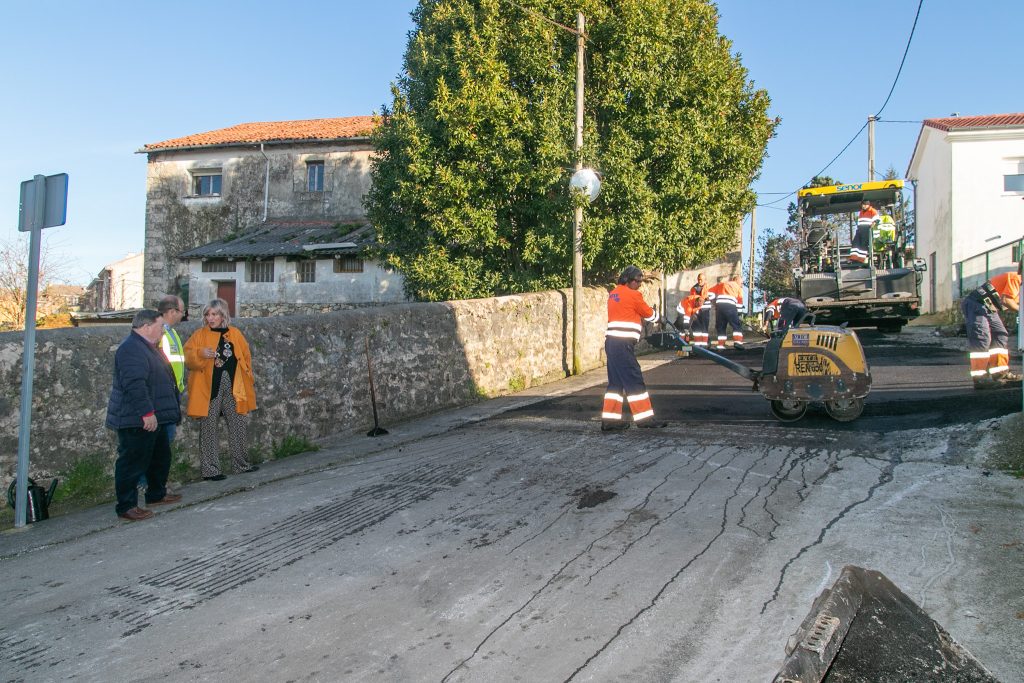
point(804, 365)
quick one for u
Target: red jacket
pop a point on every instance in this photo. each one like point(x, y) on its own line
point(627, 311)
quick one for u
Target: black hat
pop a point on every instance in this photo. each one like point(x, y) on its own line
point(631, 273)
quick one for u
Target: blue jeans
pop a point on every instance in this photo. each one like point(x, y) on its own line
point(141, 453)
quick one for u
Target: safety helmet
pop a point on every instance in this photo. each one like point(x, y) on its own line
point(630, 273)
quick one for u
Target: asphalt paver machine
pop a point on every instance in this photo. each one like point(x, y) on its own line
point(884, 292)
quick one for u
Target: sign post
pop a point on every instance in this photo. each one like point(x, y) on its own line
point(44, 204)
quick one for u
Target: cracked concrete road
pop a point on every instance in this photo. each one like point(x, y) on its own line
point(454, 550)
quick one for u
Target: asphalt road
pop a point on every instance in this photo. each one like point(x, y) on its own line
point(918, 381)
point(514, 541)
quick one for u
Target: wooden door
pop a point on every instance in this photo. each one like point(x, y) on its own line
point(226, 291)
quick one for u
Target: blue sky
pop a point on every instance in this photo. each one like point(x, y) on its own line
point(87, 84)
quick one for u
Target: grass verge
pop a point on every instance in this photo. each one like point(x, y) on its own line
point(292, 445)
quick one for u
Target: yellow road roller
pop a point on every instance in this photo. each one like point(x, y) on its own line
point(801, 365)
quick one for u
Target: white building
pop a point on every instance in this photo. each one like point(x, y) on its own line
point(118, 287)
point(968, 175)
point(291, 266)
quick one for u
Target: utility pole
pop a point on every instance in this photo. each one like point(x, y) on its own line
point(871, 147)
point(753, 243)
point(577, 223)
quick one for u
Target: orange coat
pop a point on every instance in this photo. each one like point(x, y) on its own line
point(200, 375)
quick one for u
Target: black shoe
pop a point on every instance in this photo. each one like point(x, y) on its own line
point(652, 424)
point(250, 468)
point(610, 426)
point(216, 477)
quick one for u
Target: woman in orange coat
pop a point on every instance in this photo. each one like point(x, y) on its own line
point(220, 381)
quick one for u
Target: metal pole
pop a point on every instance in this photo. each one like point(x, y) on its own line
point(29, 352)
point(753, 243)
point(577, 223)
point(871, 147)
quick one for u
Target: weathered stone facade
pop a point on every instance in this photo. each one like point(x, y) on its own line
point(311, 370)
point(178, 220)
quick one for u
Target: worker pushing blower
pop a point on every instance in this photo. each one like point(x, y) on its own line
point(803, 365)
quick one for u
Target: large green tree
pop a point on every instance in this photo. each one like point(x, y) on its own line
point(470, 184)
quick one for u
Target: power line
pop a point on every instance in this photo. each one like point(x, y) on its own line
point(902, 61)
point(906, 50)
point(852, 140)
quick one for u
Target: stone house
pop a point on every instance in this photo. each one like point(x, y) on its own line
point(267, 215)
point(968, 178)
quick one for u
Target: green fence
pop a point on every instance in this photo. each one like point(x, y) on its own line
point(973, 272)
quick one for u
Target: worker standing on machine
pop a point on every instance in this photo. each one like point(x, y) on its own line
point(788, 310)
point(987, 338)
point(728, 296)
point(861, 243)
point(701, 318)
point(627, 312)
point(884, 236)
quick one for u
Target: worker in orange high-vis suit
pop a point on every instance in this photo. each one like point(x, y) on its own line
point(788, 310)
point(861, 245)
point(987, 338)
point(728, 296)
point(701, 319)
point(688, 307)
point(627, 312)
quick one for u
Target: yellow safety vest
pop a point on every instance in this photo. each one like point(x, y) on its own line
point(173, 349)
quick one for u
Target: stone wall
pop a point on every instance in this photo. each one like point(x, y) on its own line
point(311, 370)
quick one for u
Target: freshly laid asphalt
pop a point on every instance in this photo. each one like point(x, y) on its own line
point(512, 540)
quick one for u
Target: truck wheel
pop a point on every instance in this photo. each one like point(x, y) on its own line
point(845, 409)
point(789, 410)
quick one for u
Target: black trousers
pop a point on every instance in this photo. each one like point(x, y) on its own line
point(141, 453)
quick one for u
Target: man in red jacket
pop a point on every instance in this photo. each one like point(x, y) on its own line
point(627, 312)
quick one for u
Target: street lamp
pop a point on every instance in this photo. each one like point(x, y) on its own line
point(586, 181)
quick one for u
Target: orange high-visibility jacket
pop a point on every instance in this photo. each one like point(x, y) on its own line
point(1007, 284)
point(627, 311)
point(728, 292)
point(688, 306)
point(868, 215)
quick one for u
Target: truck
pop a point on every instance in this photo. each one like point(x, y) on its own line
point(885, 291)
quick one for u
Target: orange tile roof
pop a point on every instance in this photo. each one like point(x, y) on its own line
point(990, 121)
point(274, 131)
